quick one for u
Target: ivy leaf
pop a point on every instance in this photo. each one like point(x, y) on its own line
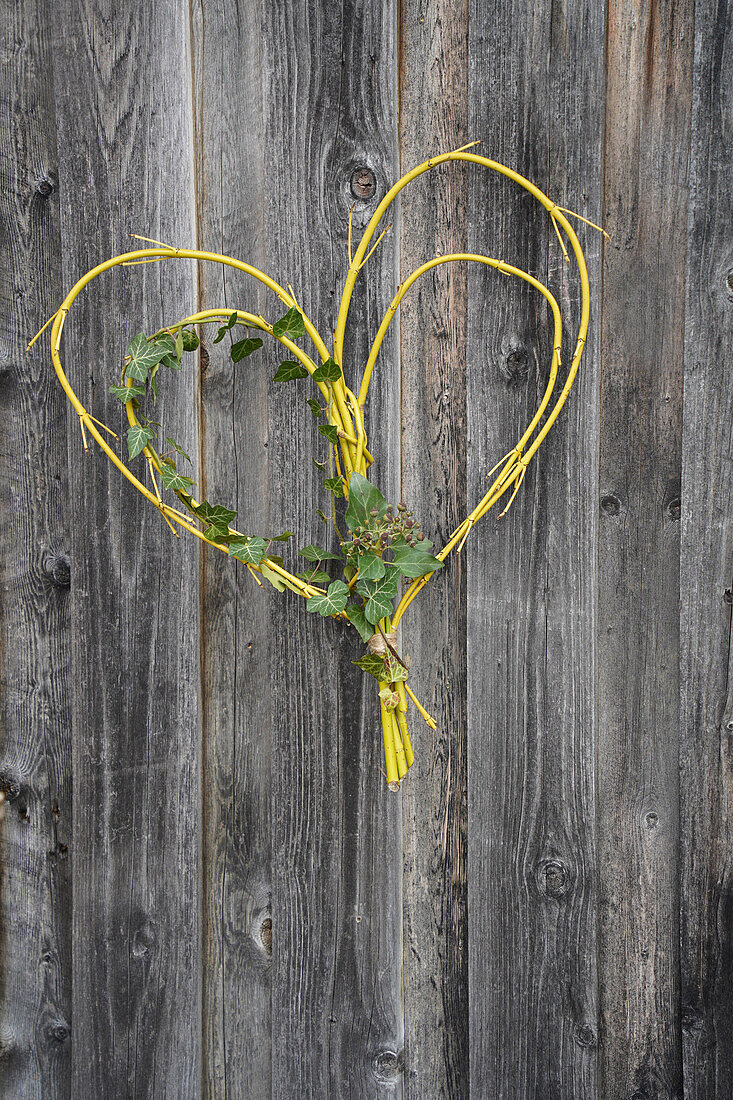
point(358, 618)
point(320, 465)
point(173, 480)
point(331, 433)
point(190, 339)
point(363, 496)
point(219, 533)
point(321, 515)
point(292, 324)
point(214, 514)
point(180, 451)
point(332, 601)
point(167, 345)
point(126, 393)
point(251, 551)
point(394, 670)
point(328, 371)
point(153, 382)
point(314, 553)
point(378, 595)
point(315, 407)
point(142, 357)
point(283, 537)
point(137, 438)
point(179, 345)
point(371, 567)
point(314, 576)
point(371, 663)
point(415, 561)
point(243, 348)
point(289, 371)
point(335, 485)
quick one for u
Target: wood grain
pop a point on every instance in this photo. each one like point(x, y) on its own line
point(646, 150)
point(126, 164)
point(706, 576)
point(531, 575)
point(434, 118)
point(235, 628)
point(336, 913)
point(35, 750)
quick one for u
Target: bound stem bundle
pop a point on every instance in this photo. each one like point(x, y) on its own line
point(382, 544)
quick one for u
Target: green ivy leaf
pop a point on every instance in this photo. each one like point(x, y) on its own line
point(219, 533)
point(379, 595)
point(127, 393)
point(167, 345)
point(314, 576)
point(214, 514)
point(417, 561)
point(363, 496)
point(371, 663)
point(137, 438)
point(328, 371)
point(315, 407)
point(180, 451)
point(358, 618)
point(320, 465)
point(314, 553)
point(251, 550)
point(371, 567)
point(332, 601)
point(321, 515)
point(289, 371)
point(179, 345)
point(283, 537)
point(292, 324)
point(331, 433)
point(173, 480)
point(335, 485)
point(190, 339)
point(142, 357)
point(243, 348)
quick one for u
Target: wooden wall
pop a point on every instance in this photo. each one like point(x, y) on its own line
point(206, 888)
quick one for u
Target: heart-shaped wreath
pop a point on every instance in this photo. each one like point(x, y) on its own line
point(382, 544)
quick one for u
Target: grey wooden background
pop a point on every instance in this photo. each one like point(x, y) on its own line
point(206, 889)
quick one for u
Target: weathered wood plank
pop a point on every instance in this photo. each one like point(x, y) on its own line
point(336, 1012)
point(532, 574)
point(125, 164)
point(706, 576)
point(434, 118)
point(646, 150)
point(235, 616)
point(35, 753)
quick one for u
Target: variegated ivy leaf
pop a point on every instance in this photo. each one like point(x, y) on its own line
point(332, 601)
point(137, 438)
point(372, 664)
point(127, 393)
point(251, 551)
point(142, 357)
point(378, 595)
point(173, 480)
point(314, 553)
point(315, 576)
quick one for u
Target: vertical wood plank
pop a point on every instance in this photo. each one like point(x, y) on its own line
point(532, 574)
point(434, 118)
point(35, 750)
point(236, 630)
point(336, 1012)
point(646, 151)
point(706, 576)
point(125, 164)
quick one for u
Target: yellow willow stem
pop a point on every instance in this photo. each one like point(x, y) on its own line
point(399, 747)
point(390, 753)
point(402, 722)
point(505, 269)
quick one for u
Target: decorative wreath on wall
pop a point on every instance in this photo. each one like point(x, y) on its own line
point(382, 544)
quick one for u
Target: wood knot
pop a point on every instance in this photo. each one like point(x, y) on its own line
point(59, 1032)
point(554, 878)
point(674, 508)
point(44, 187)
point(610, 504)
point(514, 365)
point(585, 1036)
point(363, 183)
point(266, 935)
point(387, 1065)
point(57, 570)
